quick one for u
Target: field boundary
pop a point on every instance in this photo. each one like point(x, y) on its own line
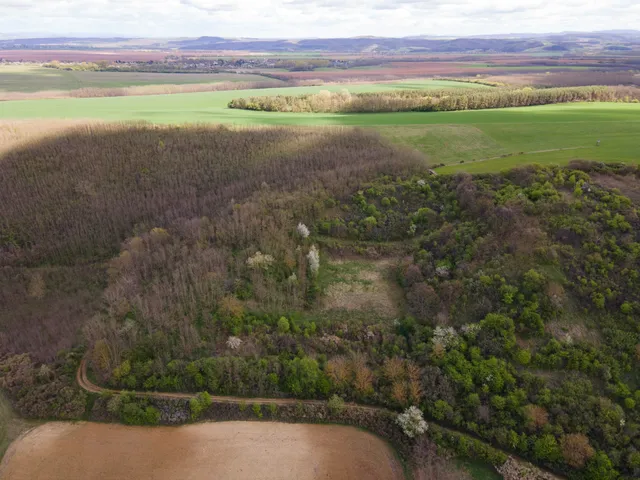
point(85, 383)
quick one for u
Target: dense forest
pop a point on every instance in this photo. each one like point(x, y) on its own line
point(176, 270)
point(433, 101)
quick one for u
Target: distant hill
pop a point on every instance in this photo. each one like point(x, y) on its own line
point(511, 43)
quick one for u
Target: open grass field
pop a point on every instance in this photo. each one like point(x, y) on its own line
point(29, 78)
point(485, 140)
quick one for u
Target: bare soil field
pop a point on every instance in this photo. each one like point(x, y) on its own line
point(229, 450)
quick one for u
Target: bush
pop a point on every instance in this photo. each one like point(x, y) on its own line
point(283, 325)
point(576, 449)
point(199, 404)
point(412, 422)
point(335, 404)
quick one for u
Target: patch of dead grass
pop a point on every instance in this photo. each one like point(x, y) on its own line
point(628, 185)
point(572, 332)
point(365, 285)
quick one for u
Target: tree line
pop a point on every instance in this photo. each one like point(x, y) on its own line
point(432, 101)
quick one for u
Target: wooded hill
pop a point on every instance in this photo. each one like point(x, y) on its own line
point(193, 259)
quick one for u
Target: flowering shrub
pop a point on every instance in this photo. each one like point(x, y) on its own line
point(260, 261)
point(470, 330)
point(303, 231)
point(313, 258)
point(445, 336)
point(412, 422)
point(233, 343)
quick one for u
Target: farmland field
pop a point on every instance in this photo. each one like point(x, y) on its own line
point(544, 134)
point(27, 78)
point(231, 450)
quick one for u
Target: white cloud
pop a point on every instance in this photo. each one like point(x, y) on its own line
point(306, 18)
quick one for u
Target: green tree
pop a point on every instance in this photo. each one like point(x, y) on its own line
point(600, 468)
point(283, 325)
point(335, 404)
point(302, 376)
point(546, 448)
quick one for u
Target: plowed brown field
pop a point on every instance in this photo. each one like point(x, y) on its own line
point(229, 450)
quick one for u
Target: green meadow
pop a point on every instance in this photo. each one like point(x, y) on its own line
point(473, 141)
point(30, 79)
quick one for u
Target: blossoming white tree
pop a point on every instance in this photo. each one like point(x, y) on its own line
point(233, 343)
point(445, 336)
point(260, 260)
point(303, 231)
point(313, 257)
point(412, 422)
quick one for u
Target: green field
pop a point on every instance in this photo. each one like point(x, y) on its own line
point(516, 68)
point(515, 135)
point(27, 79)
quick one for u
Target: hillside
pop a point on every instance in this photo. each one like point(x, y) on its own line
point(326, 264)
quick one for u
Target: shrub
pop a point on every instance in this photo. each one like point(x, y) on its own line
point(546, 448)
point(313, 257)
point(412, 422)
point(283, 325)
point(576, 449)
point(257, 410)
point(302, 230)
point(335, 404)
point(199, 404)
point(523, 356)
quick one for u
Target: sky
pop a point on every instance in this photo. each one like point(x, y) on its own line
point(311, 18)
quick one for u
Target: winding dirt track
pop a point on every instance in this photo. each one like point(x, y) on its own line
point(84, 382)
point(88, 385)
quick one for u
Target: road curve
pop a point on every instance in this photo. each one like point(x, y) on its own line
point(84, 382)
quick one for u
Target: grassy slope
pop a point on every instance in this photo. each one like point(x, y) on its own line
point(11, 427)
point(446, 137)
point(34, 79)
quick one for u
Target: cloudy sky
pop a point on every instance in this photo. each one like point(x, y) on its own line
point(312, 18)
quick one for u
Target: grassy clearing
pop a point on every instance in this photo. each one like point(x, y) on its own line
point(360, 285)
point(446, 143)
point(26, 79)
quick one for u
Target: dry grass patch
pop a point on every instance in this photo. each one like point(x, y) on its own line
point(20, 133)
point(570, 332)
point(365, 285)
point(628, 185)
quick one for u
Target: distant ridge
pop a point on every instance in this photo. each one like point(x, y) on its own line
point(608, 40)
